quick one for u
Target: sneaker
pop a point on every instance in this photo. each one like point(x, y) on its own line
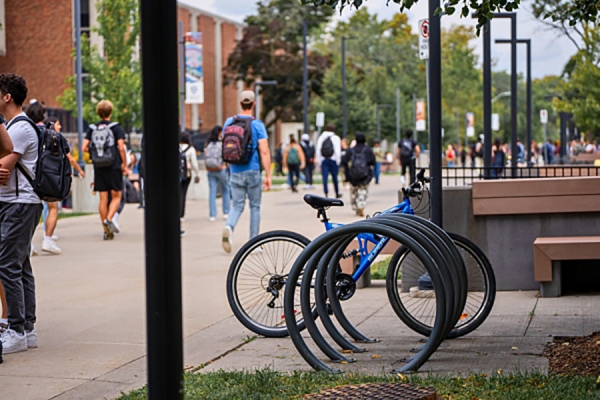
point(338, 196)
point(108, 233)
point(403, 180)
point(212, 219)
point(114, 228)
point(225, 216)
point(33, 252)
point(116, 224)
point(13, 342)
point(50, 247)
point(227, 241)
point(181, 219)
point(54, 237)
point(31, 339)
point(181, 233)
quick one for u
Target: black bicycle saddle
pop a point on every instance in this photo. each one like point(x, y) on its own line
point(317, 202)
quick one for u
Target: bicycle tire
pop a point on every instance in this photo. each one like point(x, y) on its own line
point(265, 263)
point(480, 279)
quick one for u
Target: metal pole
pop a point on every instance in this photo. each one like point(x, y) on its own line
point(305, 75)
point(513, 94)
point(487, 99)
point(257, 100)
point(182, 77)
point(529, 106)
point(344, 111)
point(458, 128)
point(79, 83)
point(398, 127)
point(162, 227)
point(434, 75)
point(378, 123)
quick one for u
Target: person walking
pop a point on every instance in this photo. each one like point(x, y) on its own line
point(105, 141)
point(359, 162)
point(378, 151)
point(246, 178)
point(309, 156)
point(498, 159)
point(217, 174)
point(450, 156)
point(408, 150)
point(548, 152)
point(188, 168)
point(294, 161)
point(20, 212)
point(329, 157)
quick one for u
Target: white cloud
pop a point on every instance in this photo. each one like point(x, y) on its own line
point(549, 52)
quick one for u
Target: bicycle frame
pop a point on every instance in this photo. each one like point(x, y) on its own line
point(364, 239)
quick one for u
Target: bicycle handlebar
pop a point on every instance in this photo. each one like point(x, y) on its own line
point(414, 189)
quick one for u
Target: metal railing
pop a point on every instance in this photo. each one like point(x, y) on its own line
point(465, 176)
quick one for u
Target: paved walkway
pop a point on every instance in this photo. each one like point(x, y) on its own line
point(91, 310)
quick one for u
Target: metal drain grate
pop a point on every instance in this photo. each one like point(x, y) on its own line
point(377, 391)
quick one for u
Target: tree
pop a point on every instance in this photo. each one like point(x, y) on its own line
point(581, 94)
point(271, 49)
point(574, 11)
point(360, 108)
point(114, 74)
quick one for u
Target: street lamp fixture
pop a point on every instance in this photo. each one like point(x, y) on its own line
point(379, 107)
point(501, 95)
point(258, 84)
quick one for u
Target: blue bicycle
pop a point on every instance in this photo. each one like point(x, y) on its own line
point(258, 274)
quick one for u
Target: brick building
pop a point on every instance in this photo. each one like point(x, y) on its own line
point(37, 38)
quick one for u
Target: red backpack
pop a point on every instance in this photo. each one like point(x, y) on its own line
point(237, 141)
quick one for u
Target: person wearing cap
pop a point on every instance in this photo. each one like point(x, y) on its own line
point(309, 155)
point(246, 179)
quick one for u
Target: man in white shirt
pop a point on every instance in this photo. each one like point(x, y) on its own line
point(329, 156)
point(20, 211)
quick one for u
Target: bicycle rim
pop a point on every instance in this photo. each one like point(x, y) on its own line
point(267, 259)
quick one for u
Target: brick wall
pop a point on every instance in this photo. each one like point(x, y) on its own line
point(38, 45)
point(208, 111)
point(230, 92)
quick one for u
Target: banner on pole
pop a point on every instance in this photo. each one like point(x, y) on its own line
point(470, 123)
point(495, 122)
point(194, 74)
point(420, 115)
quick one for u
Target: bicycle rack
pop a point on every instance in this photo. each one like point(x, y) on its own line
point(319, 262)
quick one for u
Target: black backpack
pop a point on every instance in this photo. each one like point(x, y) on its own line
point(183, 168)
point(102, 146)
point(406, 148)
point(53, 174)
point(237, 141)
point(309, 151)
point(359, 167)
point(327, 148)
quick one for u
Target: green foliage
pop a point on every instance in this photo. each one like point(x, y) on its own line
point(271, 49)
point(268, 384)
point(114, 73)
point(581, 91)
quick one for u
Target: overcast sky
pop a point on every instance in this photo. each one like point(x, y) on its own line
point(549, 52)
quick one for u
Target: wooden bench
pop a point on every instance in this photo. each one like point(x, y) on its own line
point(536, 196)
point(548, 252)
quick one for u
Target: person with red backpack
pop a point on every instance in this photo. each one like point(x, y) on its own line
point(244, 139)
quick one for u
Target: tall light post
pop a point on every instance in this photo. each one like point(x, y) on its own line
point(161, 219)
point(527, 42)
point(379, 107)
point(257, 85)
point(79, 83)
point(305, 75)
point(344, 94)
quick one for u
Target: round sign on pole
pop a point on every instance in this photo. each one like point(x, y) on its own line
point(544, 116)
point(425, 28)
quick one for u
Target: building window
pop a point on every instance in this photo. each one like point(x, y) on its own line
point(85, 15)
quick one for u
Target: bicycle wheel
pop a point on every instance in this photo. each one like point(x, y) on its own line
point(256, 281)
point(411, 293)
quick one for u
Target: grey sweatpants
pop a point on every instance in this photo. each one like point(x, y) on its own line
point(17, 225)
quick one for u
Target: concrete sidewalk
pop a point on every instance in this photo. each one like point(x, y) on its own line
point(91, 310)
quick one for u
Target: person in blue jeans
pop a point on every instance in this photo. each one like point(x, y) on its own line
point(217, 174)
point(246, 179)
point(329, 156)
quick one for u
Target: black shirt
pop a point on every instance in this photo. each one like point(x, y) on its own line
point(118, 133)
point(406, 144)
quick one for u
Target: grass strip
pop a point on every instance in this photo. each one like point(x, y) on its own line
point(269, 384)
